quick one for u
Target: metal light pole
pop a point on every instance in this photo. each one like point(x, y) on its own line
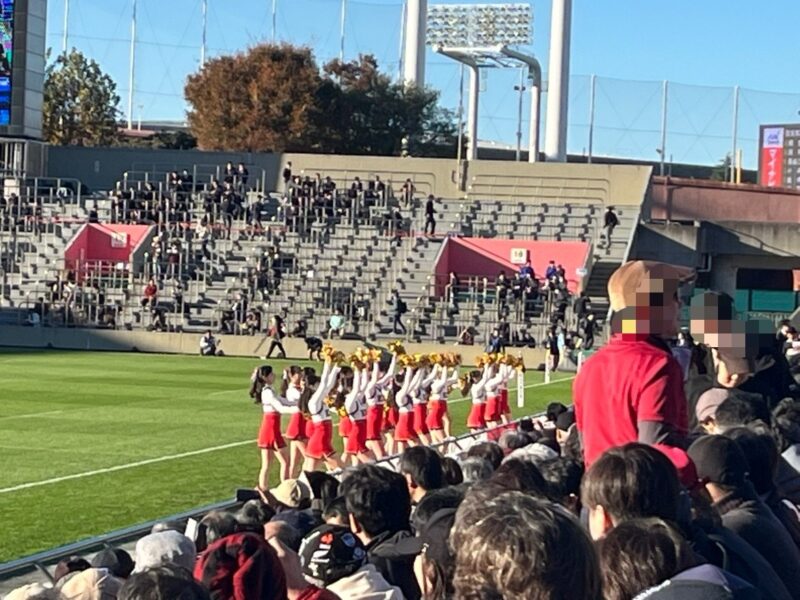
point(65, 39)
point(478, 36)
point(558, 81)
point(132, 66)
point(460, 122)
point(204, 10)
point(414, 52)
point(472, 115)
point(521, 89)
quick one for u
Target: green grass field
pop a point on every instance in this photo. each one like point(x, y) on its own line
point(92, 442)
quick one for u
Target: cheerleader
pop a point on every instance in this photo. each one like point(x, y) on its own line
point(344, 384)
point(292, 390)
point(492, 391)
point(270, 440)
point(438, 418)
point(374, 397)
point(320, 446)
point(474, 384)
point(419, 399)
point(355, 407)
point(404, 435)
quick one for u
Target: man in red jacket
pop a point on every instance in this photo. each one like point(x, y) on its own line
point(631, 390)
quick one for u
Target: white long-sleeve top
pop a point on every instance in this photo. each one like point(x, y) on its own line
point(316, 404)
point(478, 389)
point(403, 397)
point(386, 381)
point(293, 394)
point(273, 403)
point(492, 387)
point(442, 383)
point(372, 393)
point(508, 373)
point(418, 394)
point(354, 402)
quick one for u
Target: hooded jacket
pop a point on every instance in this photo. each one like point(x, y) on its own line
point(366, 584)
point(396, 567)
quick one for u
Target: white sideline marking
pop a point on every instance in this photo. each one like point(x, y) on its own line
point(140, 463)
point(168, 457)
point(28, 415)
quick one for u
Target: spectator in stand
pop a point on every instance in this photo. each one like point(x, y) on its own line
point(333, 558)
point(467, 336)
point(287, 176)
point(610, 222)
point(637, 481)
point(399, 308)
point(300, 329)
point(515, 546)
point(208, 344)
point(582, 305)
point(496, 344)
point(430, 215)
point(722, 466)
point(632, 388)
point(150, 297)
point(380, 506)
point(163, 582)
point(203, 236)
point(276, 333)
point(649, 556)
point(551, 270)
point(242, 175)
point(336, 323)
point(408, 191)
point(422, 468)
point(526, 270)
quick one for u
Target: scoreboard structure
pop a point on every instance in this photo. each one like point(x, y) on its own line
point(779, 156)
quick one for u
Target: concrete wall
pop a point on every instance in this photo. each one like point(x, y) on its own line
point(188, 343)
point(100, 168)
point(621, 185)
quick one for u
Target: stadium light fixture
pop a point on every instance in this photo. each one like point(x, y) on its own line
point(486, 36)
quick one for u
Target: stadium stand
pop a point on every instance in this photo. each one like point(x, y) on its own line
point(227, 256)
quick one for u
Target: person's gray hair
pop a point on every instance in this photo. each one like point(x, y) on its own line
point(535, 453)
point(476, 469)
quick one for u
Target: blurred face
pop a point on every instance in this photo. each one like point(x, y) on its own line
point(270, 379)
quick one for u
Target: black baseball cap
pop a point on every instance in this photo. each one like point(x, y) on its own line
point(719, 459)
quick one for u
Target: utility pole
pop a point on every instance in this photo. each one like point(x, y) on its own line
point(274, 20)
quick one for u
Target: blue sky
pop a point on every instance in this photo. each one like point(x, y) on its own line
point(704, 46)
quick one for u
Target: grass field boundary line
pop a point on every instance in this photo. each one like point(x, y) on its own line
point(138, 463)
point(168, 457)
point(32, 415)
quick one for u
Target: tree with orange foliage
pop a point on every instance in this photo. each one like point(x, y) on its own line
point(261, 100)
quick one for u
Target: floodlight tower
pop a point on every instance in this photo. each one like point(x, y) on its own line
point(555, 147)
point(414, 50)
point(479, 36)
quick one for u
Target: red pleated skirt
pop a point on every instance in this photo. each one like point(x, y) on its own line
point(374, 422)
point(437, 409)
point(296, 430)
point(420, 415)
point(404, 431)
point(475, 419)
point(357, 440)
point(269, 434)
point(320, 444)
